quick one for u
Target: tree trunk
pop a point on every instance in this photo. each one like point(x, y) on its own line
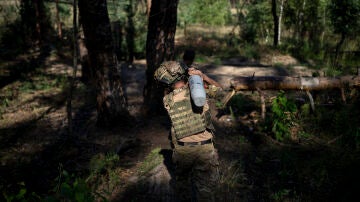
point(75, 60)
point(117, 38)
point(337, 50)
point(37, 16)
point(276, 22)
point(58, 21)
point(280, 19)
point(301, 24)
point(130, 32)
point(159, 48)
point(148, 7)
point(35, 21)
point(111, 105)
point(87, 75)
point(292, 83)
point(299, 21)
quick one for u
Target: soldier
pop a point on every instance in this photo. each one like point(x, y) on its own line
point(194, 154)
point(188, 60)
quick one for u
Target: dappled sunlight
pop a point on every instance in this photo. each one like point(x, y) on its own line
point(267, 152)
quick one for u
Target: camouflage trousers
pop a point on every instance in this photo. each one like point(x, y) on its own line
point(196, 172)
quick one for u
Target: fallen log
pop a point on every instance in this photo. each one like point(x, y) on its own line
point(292, 83)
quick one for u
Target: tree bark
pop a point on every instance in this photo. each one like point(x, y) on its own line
point(130, 32)
point(58, 21)
point(87, 76)
point(280, 19)
point(276, 22)
point(111, 105)
point(148, 7)
point(338, 48)
point(35, 22)
point(75, 60)
point(292, 83)
point(159, 48)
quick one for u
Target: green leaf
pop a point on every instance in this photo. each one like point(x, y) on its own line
point(66, 190)
point(80, 196)
point(21, 194)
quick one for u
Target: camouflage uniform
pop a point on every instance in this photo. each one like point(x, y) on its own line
point(194, 156)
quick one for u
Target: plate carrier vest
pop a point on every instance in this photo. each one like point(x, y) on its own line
point(185, 121)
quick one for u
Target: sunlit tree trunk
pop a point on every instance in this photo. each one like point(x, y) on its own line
point(148, 7)
point(111, 105)
point(280, 20)
point(159, 48)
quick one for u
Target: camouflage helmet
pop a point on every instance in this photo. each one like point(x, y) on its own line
point(170, 72)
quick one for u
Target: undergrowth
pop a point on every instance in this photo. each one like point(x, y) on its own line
point(321, 159)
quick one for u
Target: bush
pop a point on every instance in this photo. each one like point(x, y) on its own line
point(283, 116)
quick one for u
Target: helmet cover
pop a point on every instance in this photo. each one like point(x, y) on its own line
point(169, 72)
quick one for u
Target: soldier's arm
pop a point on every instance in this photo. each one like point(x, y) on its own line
point(208, 80)
point(211, 81)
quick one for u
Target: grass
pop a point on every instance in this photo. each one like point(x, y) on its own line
point(104, 176)
point(43, 82)
point(153, 159)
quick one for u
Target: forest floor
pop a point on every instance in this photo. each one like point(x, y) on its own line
point(35, 147)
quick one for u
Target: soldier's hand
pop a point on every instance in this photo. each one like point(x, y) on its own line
point(193, 71)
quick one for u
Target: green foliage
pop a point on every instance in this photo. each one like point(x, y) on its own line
point(153, 159)
point(101, 162)
point(345, 123)
point(8, 13)
point(43, 82)
point(345, 16)
point(10, 28)
point(333, 71)
point(132, 25)
point(280, 195)
point(241, 103)
point(5, 102)
point(250, 51)
point(22, 195)
point(64, 11)
point(208, 12)
point(230, 177)
point(255, 21)
point(70, 188)
point(283, 112)
point(73, 189)
point(11, 42)
point(104, 171)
